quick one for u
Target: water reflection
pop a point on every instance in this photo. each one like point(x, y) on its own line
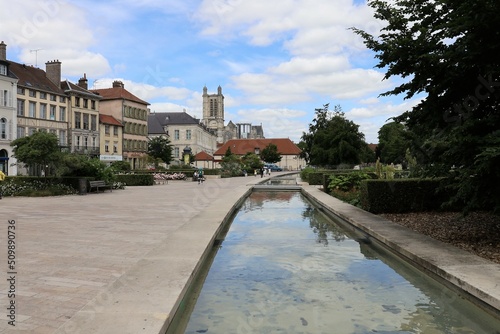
point(285, 268)
point(321, 227)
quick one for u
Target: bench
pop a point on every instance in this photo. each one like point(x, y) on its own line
point(100, 184)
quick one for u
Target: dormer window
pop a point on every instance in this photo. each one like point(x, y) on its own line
point(3, 69)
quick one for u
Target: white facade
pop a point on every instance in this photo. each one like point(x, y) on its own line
point(8, 119)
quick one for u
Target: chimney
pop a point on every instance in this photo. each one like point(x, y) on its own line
point(3, 51)
point(53, 71)
point(83, 82)
point(118, 84)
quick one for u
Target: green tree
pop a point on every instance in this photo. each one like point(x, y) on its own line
point(393, 143)
point(332, 139)
point(160, 148)
point(270, 154)
point(448, 53)
point(251, 161)
point(40, 149)
point(231, 164)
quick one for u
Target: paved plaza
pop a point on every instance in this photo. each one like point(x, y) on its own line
point(119, 262)
point(113, 262)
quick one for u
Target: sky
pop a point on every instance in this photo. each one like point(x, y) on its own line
point(275, 61)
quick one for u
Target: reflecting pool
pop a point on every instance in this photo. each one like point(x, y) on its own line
point(286, 268)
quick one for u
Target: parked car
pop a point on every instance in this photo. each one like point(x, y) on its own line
point(273, 167)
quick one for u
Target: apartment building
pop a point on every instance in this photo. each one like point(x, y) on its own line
point(8, 119)
point(132, 112)
point(83, 118)
point(111, 139)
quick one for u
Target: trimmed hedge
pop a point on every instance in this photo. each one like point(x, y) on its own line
point(136, 179)
point(402, 195)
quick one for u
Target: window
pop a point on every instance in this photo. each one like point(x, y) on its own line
point(94, 142)
point(52, 112)
point(188, 134)
point(176, 134)
point(62, 137)
point(115, 131)
point(52, 97)
point(43, 95)
point(176, 152)
point(32, 111)
point(78, 120)
point(20, 90)
point(6, 98)
point(93, 122)
point(85, 141)
point(92, 104)
point(106, 129)
point(20, 108)
point(43, 111)
point(106, 146)
point(31, 131)
point(32, 93)
point(115, 147)
point(85, 103)
point(77, 141)
point(62, 114)
point(77, 101)
point(3, 69)
point(62, 99)
point(85, 121)
point(21, 132)
point(3, 128)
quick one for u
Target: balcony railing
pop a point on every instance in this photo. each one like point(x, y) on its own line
point(86, 150)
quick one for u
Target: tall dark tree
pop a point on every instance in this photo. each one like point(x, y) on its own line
point(160, 148)
point(448, 52)
point(270, 154)
point(333, 139)
point(393, 142)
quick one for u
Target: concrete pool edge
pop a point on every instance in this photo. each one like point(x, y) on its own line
point(465, 271)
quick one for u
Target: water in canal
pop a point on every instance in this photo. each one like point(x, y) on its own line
point(286, 268)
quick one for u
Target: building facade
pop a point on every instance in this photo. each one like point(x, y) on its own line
point(8, 119)
point(184, 132)
point(41, 104)
point(132, 112)
point(83, 118)
point(290, 153)
point(111, 135)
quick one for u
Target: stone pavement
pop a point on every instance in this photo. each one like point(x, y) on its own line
point(113, 262)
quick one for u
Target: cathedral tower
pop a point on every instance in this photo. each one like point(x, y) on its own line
point(213, 112)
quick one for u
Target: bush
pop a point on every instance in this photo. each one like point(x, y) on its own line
point(135, 179)
point(35, 187)
point(346, 182)
point(304, 173)
point(402, 195)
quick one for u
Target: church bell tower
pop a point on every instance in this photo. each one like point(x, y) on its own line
point(213, 112)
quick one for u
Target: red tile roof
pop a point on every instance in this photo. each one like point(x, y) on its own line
point(372, 147)
point(108, 119)
point(118, 93)
point(243, 146)
point(203, 156)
